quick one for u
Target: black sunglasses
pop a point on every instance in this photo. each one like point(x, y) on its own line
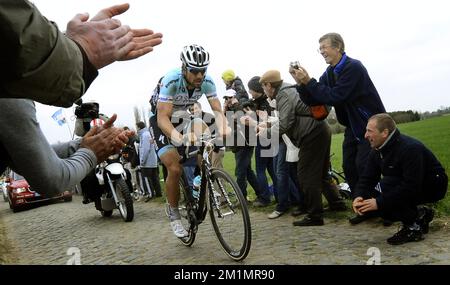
point(195, 71)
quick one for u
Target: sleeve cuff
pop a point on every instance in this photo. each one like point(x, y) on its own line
point(89, 70)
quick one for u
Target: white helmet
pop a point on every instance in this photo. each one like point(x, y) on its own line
point(195, 56)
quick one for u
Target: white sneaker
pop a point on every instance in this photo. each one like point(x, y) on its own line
point(274, 215)
point(178, 229)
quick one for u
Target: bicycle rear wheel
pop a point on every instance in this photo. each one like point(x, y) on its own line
point(187, 213)
point(229, 215)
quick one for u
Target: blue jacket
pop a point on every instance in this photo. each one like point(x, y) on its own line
point(408, 163)
point(147, 154)
point(348, 88)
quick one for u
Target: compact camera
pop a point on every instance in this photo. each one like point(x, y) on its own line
point(295, 64)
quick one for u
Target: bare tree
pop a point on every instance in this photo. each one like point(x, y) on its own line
point(137, 115)
point(144, 117)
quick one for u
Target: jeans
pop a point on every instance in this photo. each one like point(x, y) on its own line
point(263, 163)
point(244, 172)
point(287, 181)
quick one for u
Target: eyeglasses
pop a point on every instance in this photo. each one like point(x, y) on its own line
point(323, 48)
point(195, 71)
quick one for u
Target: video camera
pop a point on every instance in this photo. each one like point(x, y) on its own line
point(249, 104)
point(85, 113)
point(86, 110)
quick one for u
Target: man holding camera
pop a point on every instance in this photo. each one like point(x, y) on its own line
point(242, 147)
point(346, 85)
point(257, 110)
point(313, 137)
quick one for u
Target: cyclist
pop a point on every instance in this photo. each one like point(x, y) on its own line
point(180, 89)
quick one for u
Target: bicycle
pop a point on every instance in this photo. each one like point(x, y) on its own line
point(227, 205)
point(336, 178)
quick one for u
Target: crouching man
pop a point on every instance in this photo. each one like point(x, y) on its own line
point(411, 176)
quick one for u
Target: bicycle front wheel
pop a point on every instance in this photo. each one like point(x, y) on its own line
point(229, 215)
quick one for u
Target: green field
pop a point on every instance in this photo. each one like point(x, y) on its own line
point(434, 133)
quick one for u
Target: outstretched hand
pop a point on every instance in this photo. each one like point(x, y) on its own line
point(144, 39)
point(106, 40)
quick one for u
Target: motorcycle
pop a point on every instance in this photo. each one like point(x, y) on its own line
point(109, 184)
point(116, 191)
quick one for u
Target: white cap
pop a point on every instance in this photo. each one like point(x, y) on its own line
point(229, 93)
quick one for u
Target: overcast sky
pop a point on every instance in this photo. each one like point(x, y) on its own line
point(403, 44)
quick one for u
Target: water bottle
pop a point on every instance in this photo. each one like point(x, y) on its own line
point(196, 189)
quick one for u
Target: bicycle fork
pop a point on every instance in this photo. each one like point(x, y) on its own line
point(215, 198)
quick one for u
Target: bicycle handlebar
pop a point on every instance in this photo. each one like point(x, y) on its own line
point(204, 138)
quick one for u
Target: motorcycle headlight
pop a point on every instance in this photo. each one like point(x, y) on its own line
point(19, 190)
point(113, 157)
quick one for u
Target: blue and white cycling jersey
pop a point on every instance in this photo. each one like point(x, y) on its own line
point(173, 90)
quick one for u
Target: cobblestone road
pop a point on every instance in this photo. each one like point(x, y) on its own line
point(43, 236)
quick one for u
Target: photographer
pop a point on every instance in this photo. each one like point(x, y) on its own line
point(242, 147)
point(51, 169)
point(257, 110)
point(313, 137)
point(347, 86)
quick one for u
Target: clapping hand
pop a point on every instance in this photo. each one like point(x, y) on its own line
point(106, 40)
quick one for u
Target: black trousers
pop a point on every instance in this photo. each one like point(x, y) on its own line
point(406, 210)
point(354, 158)
point(150, 181)
point(312, 169)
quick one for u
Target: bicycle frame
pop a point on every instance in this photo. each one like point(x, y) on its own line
point(201, 205)
point(227, 206)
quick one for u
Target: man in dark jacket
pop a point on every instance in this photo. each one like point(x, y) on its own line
point(411, 175)
point(346, 85)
